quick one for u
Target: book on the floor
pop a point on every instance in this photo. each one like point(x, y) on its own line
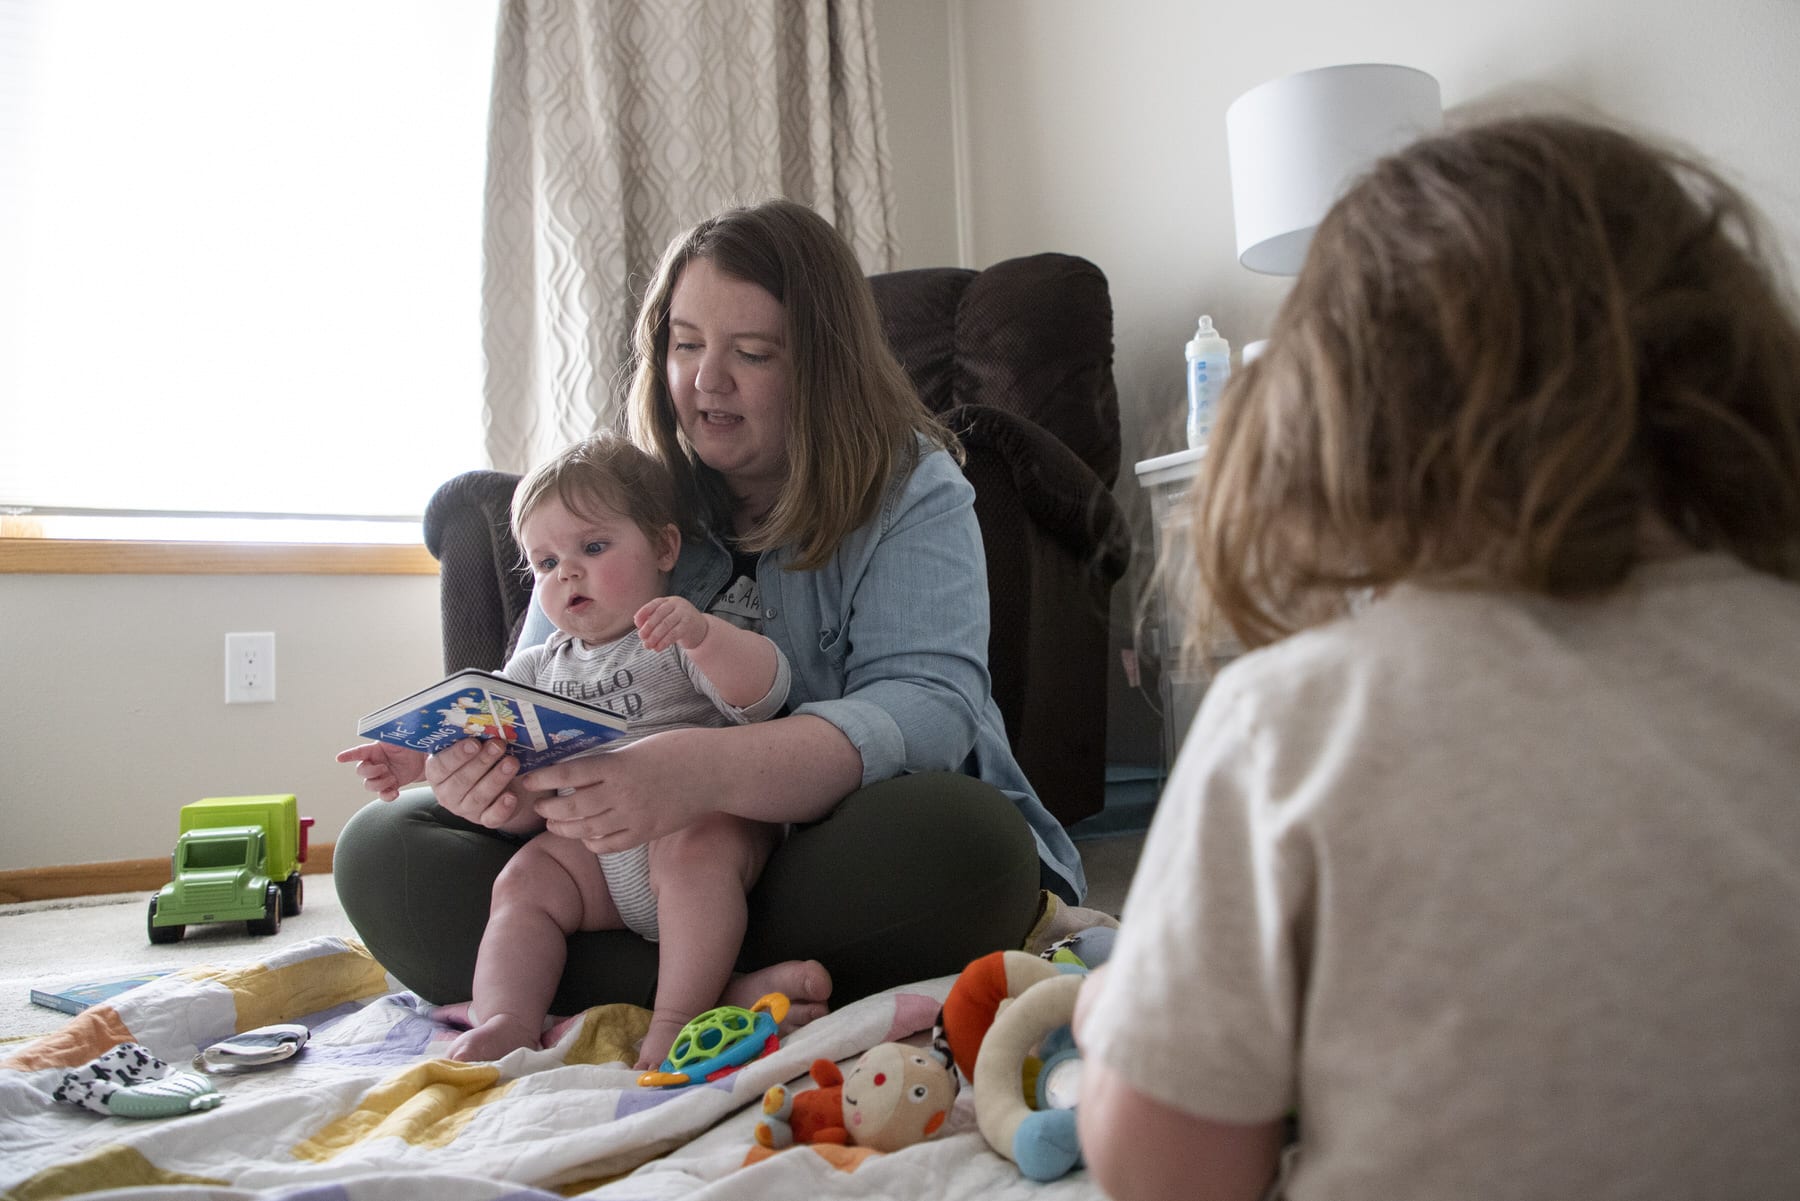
point(73, 998)
point(542, 727)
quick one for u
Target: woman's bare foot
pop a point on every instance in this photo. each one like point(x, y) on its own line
point(805, 983)
point(457, 1015)
point(559, 1027)
point(495, 1037)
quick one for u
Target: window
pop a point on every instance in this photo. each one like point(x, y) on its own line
point(241, 248)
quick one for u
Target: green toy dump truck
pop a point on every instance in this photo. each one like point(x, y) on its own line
point(237, 859)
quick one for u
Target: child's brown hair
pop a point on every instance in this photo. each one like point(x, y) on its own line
point(604, 471)
point(1514, 352)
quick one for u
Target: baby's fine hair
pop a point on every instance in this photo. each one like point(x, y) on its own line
point(604, 471)
point(1515, 356)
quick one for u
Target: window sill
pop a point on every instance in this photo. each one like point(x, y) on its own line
point(45, 556)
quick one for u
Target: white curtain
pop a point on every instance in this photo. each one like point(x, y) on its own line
point(615, 125)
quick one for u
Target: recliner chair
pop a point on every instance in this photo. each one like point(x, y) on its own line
point(1017, 359)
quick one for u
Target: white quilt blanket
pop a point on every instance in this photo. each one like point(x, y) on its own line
point(369, 1111)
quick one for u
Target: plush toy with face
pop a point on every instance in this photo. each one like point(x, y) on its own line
point(896, 1096)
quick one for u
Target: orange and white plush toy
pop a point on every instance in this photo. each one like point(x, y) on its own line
point(896, 1096)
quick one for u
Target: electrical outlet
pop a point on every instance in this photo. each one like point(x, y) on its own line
point(249, 668)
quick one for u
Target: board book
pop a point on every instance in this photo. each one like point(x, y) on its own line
point(542, 727)
point(73, 998)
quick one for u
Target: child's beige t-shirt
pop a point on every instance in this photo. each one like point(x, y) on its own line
point(1501, 894)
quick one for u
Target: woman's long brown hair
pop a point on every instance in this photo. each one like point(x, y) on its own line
point(854, 419)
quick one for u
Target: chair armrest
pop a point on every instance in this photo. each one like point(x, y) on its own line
point(483, 589)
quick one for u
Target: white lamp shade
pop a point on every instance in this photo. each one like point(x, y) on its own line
point(1297, 142)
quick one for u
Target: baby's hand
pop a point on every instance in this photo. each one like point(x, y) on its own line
point(385, 769)
point(671, 621)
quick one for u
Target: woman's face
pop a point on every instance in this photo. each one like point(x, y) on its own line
point(728, 375)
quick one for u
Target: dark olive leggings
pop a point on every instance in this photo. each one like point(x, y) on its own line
point(905, 880)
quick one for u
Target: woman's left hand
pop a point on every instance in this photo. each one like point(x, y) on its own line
point(626, 797)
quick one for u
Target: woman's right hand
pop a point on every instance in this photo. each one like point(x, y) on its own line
point(474, 779)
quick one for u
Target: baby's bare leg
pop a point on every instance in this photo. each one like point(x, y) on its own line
point(701, 876)
point(550, 889)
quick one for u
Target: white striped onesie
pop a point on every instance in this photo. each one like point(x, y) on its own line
point(655, 691)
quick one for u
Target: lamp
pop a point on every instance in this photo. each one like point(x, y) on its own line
point(1297, 141)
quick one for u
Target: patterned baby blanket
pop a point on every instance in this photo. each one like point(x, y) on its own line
point(369, 1110)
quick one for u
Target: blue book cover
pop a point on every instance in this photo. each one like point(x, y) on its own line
point(542, 727)
point(73, 998)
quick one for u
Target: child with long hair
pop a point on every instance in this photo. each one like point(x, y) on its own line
point(1482, 867)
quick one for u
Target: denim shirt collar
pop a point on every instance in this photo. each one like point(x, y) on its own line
point(702, 570)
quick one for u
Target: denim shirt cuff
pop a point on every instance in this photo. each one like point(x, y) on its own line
point(870, 729)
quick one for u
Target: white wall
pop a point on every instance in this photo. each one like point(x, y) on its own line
point(914, 40)
point(1099, 129)
point(115, 713)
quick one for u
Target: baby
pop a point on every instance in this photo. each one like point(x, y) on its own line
point(598, 527)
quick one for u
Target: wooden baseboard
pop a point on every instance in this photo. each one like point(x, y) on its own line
point(123, 875)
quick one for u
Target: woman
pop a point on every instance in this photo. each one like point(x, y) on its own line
point(838, 524)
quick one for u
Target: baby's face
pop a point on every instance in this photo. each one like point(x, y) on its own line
point(594, 573)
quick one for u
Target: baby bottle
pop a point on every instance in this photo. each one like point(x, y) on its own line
point(1208, 366)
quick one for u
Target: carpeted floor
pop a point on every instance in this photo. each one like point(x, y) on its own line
point(103, 937)
point(1109, 860)
point(56, 943)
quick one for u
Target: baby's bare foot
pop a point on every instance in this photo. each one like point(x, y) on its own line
point(494, 1038)
point(657, 1041)
point(805, 983)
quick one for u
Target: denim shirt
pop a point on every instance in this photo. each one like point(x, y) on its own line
point(888, 642)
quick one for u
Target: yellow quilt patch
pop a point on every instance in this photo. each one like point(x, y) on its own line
point(426, 1105)
point(609, 1034)
point(106, 1168)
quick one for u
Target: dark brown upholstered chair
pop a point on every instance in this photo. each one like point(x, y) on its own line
point(1017, 359)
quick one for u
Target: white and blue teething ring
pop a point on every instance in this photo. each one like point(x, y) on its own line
point(1041, 1141)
